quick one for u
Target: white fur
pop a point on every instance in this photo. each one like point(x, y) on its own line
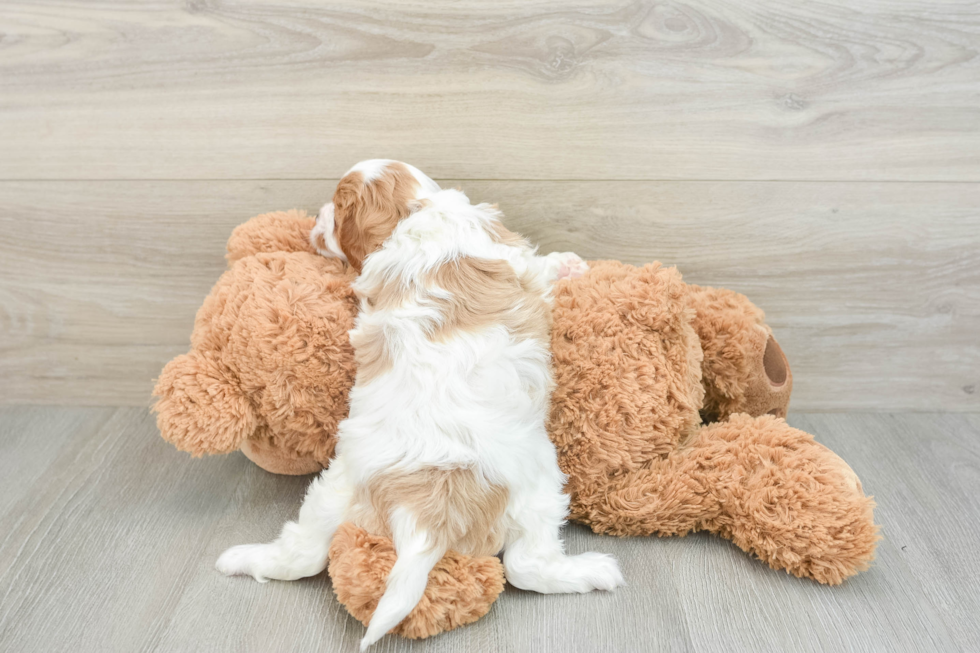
point(372, 168)
point(477, 400)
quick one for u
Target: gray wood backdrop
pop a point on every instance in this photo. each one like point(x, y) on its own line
point(823, 158)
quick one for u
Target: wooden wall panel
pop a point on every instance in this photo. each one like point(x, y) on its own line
point(822, 157)
point(587, 89)
point(872, 288)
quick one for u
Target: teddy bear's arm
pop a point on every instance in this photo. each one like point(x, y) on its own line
point(281, 231)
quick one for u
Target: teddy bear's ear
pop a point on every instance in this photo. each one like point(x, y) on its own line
point(282, 231)
point(200, 407)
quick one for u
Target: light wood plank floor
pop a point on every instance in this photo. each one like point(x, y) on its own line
point(108, 538)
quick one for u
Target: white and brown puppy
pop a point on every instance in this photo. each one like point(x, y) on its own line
point(445, 446)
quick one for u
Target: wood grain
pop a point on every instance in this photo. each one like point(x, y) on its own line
point(873, 289)
point(108, 538)
point(586, 89)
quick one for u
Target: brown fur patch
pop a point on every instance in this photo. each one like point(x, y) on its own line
point(365, 214)
point(458, 509)
point(486, 292)
point(386, 295)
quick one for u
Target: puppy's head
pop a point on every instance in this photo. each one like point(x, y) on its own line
point(369, 202)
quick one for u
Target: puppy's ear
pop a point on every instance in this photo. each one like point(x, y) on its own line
point(348, 198)
point(348, 202)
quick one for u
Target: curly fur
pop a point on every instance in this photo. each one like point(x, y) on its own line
point(461, 588)
point(270, 365)
point(736, 343)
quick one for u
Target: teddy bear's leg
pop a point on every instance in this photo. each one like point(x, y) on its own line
point(281, 231)
point(790, 500)
point(744, 370)
point(200, 407)
point(661, 499)
point(460, 588)
point(768, 487)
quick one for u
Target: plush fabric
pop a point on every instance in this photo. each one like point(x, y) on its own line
point(744, 368)
point(461, 588)
point(270, 364)
point(667, 415)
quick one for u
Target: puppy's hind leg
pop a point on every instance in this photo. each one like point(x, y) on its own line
point(534, 558)
point(301, 549)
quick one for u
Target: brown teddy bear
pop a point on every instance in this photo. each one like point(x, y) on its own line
point(640, 359)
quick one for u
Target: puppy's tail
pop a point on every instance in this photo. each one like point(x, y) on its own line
point(406, 583)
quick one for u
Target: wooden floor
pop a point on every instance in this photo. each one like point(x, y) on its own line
point(108, 538)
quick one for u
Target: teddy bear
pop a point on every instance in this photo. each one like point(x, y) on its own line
point(667, 415)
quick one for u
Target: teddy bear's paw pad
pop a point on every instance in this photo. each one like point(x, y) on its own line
point(571, 266)
point(244, 560)
point(598, 571)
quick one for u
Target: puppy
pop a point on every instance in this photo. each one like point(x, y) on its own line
point(445, 446)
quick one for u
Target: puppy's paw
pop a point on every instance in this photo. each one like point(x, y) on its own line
point(598, 572)
point(571, 266)
point(243, 560)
